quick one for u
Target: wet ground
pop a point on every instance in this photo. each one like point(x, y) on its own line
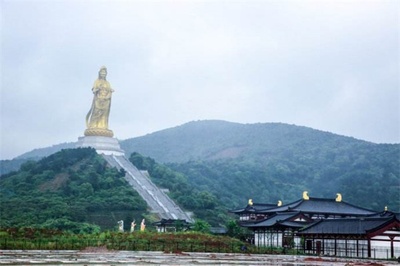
point(105, 257)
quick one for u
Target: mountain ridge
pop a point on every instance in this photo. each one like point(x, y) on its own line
point(210, 140)
point(228, 163)
point(211, 137)
point(45, 151)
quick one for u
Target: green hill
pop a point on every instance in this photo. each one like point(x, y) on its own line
point(76, 190)
point(273, 161)
point(266, 162)
point(213, 139)
point(71, 190)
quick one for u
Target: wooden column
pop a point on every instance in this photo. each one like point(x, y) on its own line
point(357, 247)
point(323, 245)
point(335, 246)
point(369, 248)
point(391, 246)
point(265, 239)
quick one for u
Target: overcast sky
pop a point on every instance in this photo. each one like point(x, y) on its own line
point(329, 65)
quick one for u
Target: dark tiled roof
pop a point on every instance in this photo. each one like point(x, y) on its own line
point(321, 206)
point(256, 207)
point(385, 214)
point(294, 224)
point(278, 218)
point(283, 208)
point(349, 226)
point(170, 222)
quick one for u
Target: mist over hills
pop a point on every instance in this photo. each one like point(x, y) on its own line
point(214, 139)
point(272, 161)
point(43, 152)
point(7, 166)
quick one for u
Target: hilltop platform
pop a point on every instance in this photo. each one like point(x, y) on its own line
point(103, 145)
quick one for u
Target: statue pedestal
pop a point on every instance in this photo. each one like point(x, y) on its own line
point(99, 132)
point(103, 145)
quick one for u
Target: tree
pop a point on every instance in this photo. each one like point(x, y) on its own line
point(201, 226)
point(235, 230)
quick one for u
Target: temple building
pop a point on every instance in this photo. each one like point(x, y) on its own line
point(372, 237)
point(323, 226)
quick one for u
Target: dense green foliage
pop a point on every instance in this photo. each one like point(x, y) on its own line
point(200, 201)
point(7, 166)
point(69, 190)
point(28, 238)
point(273, 161)
point(209, 167)
point(234, 183)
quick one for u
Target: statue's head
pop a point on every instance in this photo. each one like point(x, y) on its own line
point(103, 72)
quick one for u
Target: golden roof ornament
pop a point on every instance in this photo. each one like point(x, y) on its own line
point(305, 195)
point(250, 202)
point(279, 203)
point(386, 208)
point(338, 197)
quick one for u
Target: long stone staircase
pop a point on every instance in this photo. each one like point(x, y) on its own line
point(155, 198)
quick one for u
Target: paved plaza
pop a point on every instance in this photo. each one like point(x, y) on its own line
point(106, 257)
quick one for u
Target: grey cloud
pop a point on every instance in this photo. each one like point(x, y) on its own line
point(325, 64)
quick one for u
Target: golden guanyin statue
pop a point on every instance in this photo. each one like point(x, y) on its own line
point(97, 117)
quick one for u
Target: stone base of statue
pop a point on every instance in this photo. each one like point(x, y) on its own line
point(99, 132)
point(103, 145)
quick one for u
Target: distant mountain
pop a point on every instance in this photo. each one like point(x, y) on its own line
point(43, 152)
point(7, 166)
point(275, 161)
point(213, 139)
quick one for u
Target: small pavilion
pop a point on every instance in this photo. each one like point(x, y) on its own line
point(171, 225)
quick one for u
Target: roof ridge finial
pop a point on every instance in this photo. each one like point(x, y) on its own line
point(250, 202)
point(305, 195)
point(338, 197)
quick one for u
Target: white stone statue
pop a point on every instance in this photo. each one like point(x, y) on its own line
point(142, 226)
point(133, 224)
point(121, 226)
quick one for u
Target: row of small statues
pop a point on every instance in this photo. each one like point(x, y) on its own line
point(133, 224)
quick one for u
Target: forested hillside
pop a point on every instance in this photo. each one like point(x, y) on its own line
point(204, 204)
point(234, 183)
point(213, 139)
point(71, 190)
point(273, 161)
point(77, 191)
